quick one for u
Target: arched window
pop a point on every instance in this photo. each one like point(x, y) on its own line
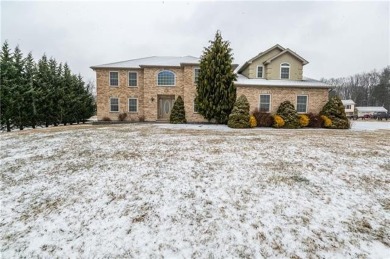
point(166, 78)
point(285, 71)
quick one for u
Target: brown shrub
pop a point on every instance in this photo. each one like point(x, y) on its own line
point(141, 118)
point(106, 119)
point(263, 119)
point(122, 116)
point(315, 120)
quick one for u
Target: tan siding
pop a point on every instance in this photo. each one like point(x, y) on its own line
point(251, 70)
point(273, 69)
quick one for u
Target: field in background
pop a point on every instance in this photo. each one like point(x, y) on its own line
point(144, 190)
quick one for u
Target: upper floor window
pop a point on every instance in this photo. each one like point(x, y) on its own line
point(166, 78)
point(265, 103)
point(133, 79)
point(348, 107)
point(196, 75)
point(285, 71)
point(260, 71)
point(302, 103)
point(114, 78)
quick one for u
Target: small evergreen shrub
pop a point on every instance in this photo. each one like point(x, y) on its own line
point(287, 111)
point(327, 121)
point(106, 119)
point(315, 121)
point(252, 121)
point(278, 121)
point(122, 116)
point(263, 119)
point(334, 110)
point(303, 120)
point(178, 114)
point(239, 118)
point(141, 118)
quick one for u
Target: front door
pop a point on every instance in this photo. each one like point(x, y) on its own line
point(165, 104)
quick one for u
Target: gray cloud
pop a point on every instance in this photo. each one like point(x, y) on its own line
point(338, 39)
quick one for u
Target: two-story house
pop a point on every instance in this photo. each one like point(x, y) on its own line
point(147, 87)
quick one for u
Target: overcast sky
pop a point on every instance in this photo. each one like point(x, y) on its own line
point(337, 38)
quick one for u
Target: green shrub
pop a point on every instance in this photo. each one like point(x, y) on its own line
point(178, 114)
point(239, 118)
point(287, 111)
point(264, 119)
point(334, 110)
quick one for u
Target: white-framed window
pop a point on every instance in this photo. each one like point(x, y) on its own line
point(348, 107)
point(114, 104)
point(196, 74)
point(302, 103)
point(260, 71)
point(265, 103)
point(195, 107)
point(133, 79)
point(285, 71)
point(166, 78)
point(133, 105)
point(114, 78)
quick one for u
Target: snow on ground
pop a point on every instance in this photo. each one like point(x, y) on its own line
point(144, 190)
point(370, 125)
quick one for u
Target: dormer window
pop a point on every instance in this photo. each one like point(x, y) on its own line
point(285, 71)
point(260, 71)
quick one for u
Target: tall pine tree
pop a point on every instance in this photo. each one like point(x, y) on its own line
point(32, 94)
point(216, 92)
point(7, 80)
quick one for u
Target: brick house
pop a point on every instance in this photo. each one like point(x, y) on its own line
point(148, 86)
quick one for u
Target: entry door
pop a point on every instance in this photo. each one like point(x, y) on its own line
point(165, 104)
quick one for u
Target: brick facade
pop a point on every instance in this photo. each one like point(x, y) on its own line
point(147, 92)
point(317, 98)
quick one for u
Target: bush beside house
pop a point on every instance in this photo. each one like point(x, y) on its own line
point(289, 115)
point(178, 113)
point(239, 118)
point(334, 110)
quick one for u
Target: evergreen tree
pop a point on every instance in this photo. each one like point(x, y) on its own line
point(239, 118)
point(178, 113)
point(216, 92)
point(30, 72)
point(290, 116)
point(44, 104)
point(334, 110)
point(19, 91)
point(7, 80)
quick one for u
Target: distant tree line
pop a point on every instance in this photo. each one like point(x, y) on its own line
point(43, 93)
point(365, 89)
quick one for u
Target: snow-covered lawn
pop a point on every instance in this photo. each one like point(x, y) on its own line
point(200, 191)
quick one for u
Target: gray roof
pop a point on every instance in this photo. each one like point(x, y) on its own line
point(348, 102)
point(306, 82)
point(151, 61)
point(371, 109)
